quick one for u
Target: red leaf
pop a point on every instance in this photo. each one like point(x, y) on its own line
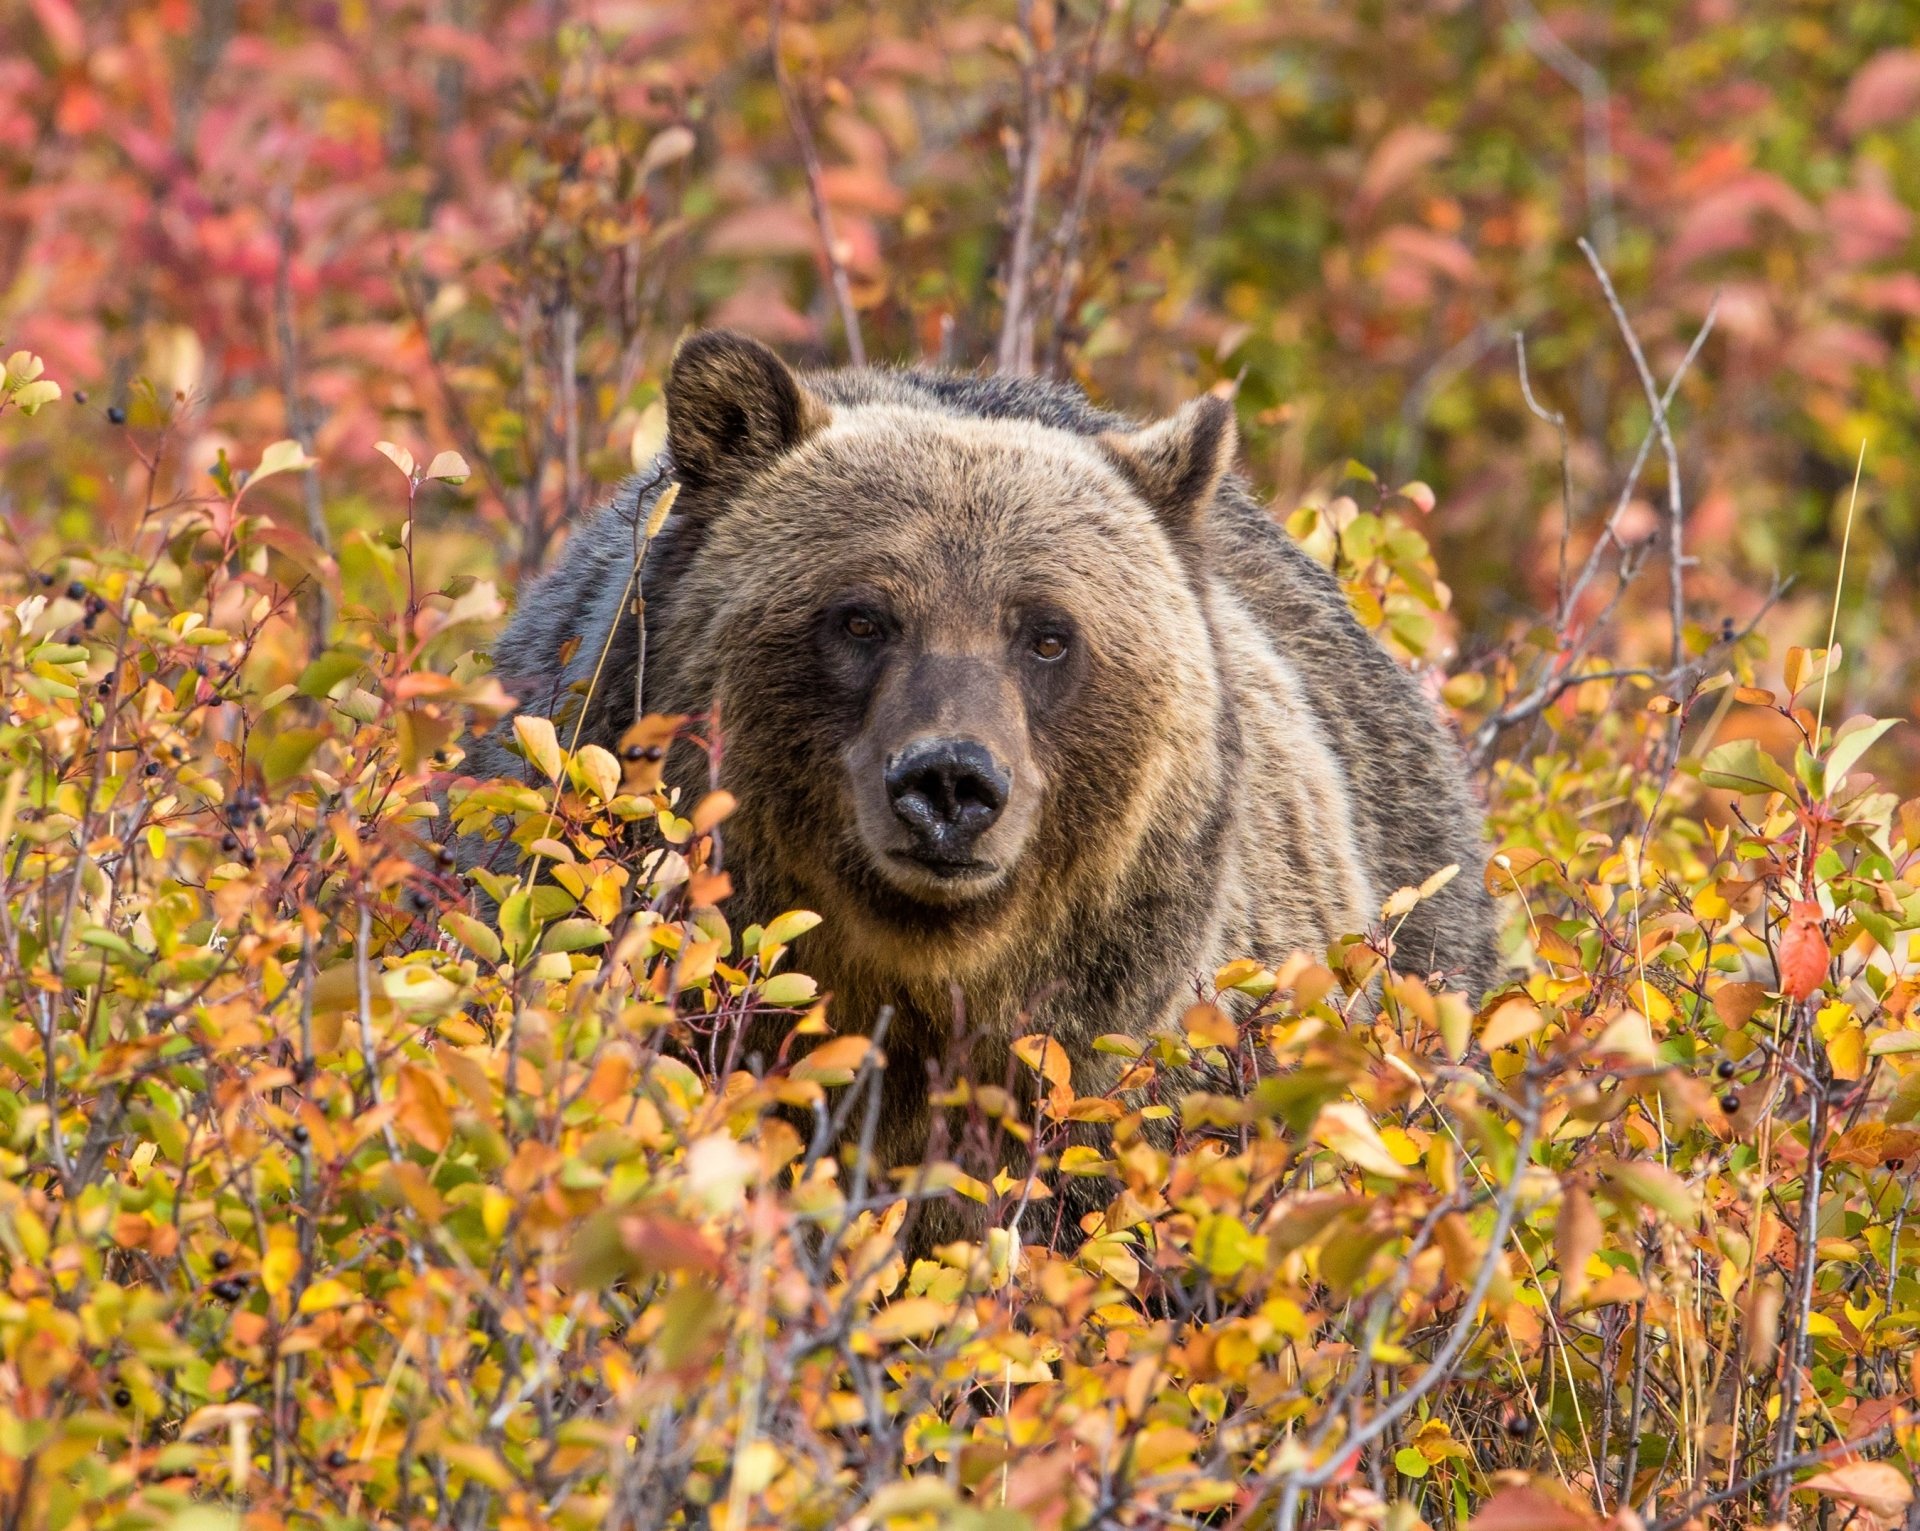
point(1803, 954)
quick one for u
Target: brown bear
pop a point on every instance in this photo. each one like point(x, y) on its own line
point(1035, 705)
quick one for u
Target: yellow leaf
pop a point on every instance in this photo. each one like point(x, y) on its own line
point(496, 1207)
point(1345, 1127)
point(1511, 1021)
point(909, 1318)
point(537, 740)
point(327, 1293)
point(281, 1263)
point(833, 1062)
point(600, 771)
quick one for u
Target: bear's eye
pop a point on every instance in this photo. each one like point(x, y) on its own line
point(1050, 646)
point(860, 627)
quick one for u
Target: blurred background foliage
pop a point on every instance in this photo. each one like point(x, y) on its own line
point(487, 221)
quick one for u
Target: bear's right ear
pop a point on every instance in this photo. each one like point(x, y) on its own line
point(1177, 464)
point(732, 408)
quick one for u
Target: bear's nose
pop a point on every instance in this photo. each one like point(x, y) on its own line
point(947, 791)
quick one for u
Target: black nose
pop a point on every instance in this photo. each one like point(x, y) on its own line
point(947, 791)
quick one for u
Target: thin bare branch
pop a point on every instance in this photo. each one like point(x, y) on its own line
point(1016, 324)
point(299, 423)
point(1596, 114)
point(1558, 421)
point(1657, 402)
point(816, 192)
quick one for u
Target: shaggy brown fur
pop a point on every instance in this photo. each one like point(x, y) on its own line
point(1193, 752)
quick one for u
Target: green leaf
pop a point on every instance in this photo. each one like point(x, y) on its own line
point(1655, 1186)
point(471, 934)
point(33, 395)
point(1849, 747)
point(1410, 1462)
point(281, 457)
point(795, 922)
point(788, 990)
point(516, 922)
point(1743, 766)
point(328, 670)
point(575, 936)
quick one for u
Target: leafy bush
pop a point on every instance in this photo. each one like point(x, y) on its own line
point(328, 1200)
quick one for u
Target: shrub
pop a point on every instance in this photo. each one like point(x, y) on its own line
point(328, 1199)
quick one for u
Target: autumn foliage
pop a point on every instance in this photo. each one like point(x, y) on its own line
point(337, 1187)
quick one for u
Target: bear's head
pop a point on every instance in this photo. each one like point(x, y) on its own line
point(961, 667)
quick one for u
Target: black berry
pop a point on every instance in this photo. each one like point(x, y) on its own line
point(229, 843)
point(444, 855)
point(76, 591)
point(151, 768)
point(158, 1013)
point(79, 395)
point(1730, 1102)
point(1724, 1068)
point(122, 1397)
point(299, 1133)
point(232, 1289)
point(1520, 1425)
point(116, 415)
point(221, 1259)
point(106, 687)
point(46, 581)
point(336, 1459)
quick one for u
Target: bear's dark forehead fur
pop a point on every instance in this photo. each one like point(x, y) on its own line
point(1223, 763)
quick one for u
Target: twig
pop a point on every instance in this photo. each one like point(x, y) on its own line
point(816, 192)
point(1778, 1470)
point(1558, 420)
point(1016, 327)
point(1794, 1321)
point(1632, 481)
point(299, 426)
point(1596, 113)
point(1440, 1368)
point(1676, 513)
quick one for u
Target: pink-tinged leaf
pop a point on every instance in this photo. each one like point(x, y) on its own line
point(1886, 90)
point(1398, 158)
point(61, 22)
point(1879, 1488)
point(400, 457)
point(1524, 1507)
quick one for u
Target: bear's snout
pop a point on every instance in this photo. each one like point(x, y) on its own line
point(948, 792)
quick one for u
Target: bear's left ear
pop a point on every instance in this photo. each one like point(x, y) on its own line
point(1177, 464)
point(732, 408)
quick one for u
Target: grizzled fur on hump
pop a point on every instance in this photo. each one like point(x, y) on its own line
point(1270, 800)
